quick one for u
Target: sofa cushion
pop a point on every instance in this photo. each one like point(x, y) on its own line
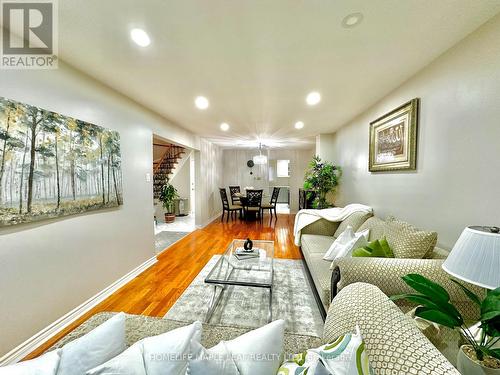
point(322, 227)
point(376, 226)
point(314, 243)
point(321, 275)
point(407, 241)
point(354, 220)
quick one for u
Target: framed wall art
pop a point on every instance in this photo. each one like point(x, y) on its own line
point(393, 139)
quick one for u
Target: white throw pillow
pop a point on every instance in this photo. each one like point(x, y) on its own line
point(169, 352)
point(130, 362)
point(340, 242)
point(255, 352)
point(43, 365)
point(346, 242)
point(344, 356)
point(360, 239)
point(96, 347)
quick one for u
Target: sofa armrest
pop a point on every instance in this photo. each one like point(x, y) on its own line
point(393, 342)
point(386, 273)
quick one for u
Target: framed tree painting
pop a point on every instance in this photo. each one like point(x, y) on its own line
point(393, 139)
point(53, 165)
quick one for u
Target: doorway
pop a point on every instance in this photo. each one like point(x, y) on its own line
point(173, 166)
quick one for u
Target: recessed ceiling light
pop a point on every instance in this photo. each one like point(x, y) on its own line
point(299, 125)
point(224, 126)
point(313, 98)
point(352, 20)
point(140, 37)
point(201, 102)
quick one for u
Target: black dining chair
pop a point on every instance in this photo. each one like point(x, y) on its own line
point(234, 190)
point(253, 203)
point(228, 207)
point(271, 206)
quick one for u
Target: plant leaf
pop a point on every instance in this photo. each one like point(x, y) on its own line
point(495, 353)
point(427, 287)
point(490, 307)
point(437, 316)
point(491, 327)
point(472, 296)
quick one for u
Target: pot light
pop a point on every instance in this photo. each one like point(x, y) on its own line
point(299, 125)
point(352, 20)
point(140, 37)
point(201, 102)
point(313, 98)
point(224, 127)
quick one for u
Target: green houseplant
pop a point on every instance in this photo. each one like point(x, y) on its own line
point(436, 307)
point(167, 196)
point(321, 177)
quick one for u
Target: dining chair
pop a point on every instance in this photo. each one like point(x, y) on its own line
point(234, 190)
point(228, 207)
point(271, 206)
point(253, 203)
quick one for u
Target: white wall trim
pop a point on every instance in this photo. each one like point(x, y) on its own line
point(39, 338)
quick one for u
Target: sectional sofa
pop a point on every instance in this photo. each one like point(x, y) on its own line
point(417, 254)
point(393, 342)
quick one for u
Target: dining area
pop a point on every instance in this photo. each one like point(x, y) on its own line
point(248, 203)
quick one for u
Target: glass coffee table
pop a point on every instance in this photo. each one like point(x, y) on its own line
point(231, 269)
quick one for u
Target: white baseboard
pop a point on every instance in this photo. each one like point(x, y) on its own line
point(38, 339)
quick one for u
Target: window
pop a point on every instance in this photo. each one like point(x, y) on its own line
point(283, 168)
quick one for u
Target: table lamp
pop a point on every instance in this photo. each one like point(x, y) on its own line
point(475, 258)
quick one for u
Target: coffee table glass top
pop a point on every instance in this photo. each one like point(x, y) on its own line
point(254, 271)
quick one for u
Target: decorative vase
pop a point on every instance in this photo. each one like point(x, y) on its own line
point(248, 245)
point(467, 366)
point(169, 218)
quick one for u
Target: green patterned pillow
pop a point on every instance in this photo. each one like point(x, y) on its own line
point(297, 366)
point(346, 355)
point(375, 249)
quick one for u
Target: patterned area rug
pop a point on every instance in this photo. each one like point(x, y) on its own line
point(166, 238)
point(293, 301)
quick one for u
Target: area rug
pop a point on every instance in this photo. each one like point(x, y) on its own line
point(166, 238)
point(293, 301)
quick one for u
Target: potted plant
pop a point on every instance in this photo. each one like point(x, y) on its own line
point(321, 177)
point(167, 196)
point(479, 356)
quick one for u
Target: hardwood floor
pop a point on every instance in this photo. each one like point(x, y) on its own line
point(153, 292)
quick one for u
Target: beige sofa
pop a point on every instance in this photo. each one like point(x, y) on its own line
point(385, 273)
point(393, 343)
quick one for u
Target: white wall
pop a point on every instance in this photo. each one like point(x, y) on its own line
point(458, 173)
point(237, 173)
point(48, 268)
point(208, 179)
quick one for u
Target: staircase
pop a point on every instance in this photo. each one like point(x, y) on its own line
point(163, 168)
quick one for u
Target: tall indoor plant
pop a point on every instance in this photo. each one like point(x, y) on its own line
point(480, 355)
point(167, 196)
point(321, 177)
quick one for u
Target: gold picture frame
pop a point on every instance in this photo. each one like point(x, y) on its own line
point(393, 139)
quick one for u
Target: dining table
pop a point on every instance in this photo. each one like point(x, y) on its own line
point(243, 199)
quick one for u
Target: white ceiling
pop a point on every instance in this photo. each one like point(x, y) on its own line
point(257, 59)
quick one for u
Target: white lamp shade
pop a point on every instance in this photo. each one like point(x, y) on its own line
point(260, 159)
point(475, 258)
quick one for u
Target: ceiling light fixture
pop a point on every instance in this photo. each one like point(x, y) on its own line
point(260, 159)
point(299, 125)
point(352, 20)
point(313, 98)
point(201, 102)
point(224, 127)
point(140, 37)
